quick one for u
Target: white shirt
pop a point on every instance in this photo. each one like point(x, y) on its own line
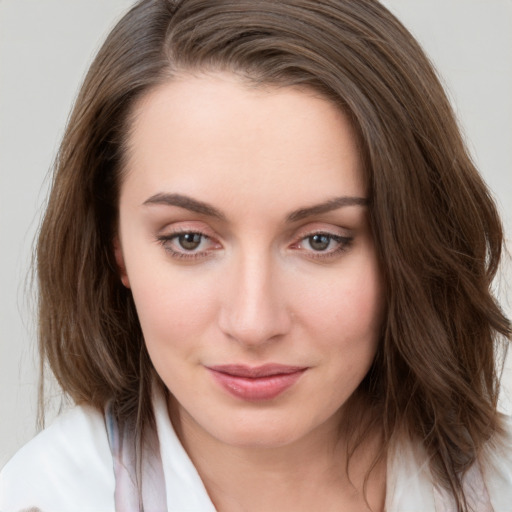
point(68, 467)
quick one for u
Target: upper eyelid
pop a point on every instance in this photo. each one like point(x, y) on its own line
point(295, 235)
point(165, 241)
point(185, 227)
point(333, 230)
point(176, 234)
point(336, 237)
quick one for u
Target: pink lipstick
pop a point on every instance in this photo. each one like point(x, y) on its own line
point(257, 382)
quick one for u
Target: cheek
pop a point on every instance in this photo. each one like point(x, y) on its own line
point(347, 309)
point(344, 318)
point(170, 305)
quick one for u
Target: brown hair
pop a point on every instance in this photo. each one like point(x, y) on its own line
point(436, 228)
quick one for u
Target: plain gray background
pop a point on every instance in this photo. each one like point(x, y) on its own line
point(45, 47)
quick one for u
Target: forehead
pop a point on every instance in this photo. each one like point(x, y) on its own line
point(214, 134)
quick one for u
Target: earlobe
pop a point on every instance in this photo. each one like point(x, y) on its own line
point(121, 267)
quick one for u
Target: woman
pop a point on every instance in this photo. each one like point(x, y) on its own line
point(264, 274)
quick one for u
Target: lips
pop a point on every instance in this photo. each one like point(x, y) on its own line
point(256, 383)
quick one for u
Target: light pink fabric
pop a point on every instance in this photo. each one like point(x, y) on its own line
point(126, 493)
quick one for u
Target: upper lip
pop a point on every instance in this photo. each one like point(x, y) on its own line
point(266, 370)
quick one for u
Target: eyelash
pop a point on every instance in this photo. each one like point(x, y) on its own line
point(343, 242)
point(165, 242)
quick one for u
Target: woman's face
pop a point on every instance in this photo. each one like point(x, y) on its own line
point(245, 241)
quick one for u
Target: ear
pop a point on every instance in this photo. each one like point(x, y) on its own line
point(121, 267)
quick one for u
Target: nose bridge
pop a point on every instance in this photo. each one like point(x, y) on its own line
point(254, 309)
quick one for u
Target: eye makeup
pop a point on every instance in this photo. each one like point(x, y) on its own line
point(323, 245)
point(193, 245)
point(186, 244)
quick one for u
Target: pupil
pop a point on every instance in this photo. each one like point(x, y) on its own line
point(319, 242)
point(189, 241)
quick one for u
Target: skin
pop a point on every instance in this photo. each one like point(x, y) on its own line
point(257, 289)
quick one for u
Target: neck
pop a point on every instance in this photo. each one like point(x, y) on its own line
point(305, 475)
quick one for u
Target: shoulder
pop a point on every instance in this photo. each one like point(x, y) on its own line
point(68, 466)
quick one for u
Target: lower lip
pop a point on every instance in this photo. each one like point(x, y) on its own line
point(257, 389)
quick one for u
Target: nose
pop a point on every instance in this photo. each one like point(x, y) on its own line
point(254, 310)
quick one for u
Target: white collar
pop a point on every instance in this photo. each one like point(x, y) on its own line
point(184, 487)
point(409, 484)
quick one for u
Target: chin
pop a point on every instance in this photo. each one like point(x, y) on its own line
point(263, 430)
point(259, 438)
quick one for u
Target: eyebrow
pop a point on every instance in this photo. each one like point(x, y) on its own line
point(327, 206)
point(185, 202)
point(188, 203)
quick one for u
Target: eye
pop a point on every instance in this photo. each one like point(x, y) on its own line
point(188, 244)
point(189, 241)
point(319, 242)
point(323, 245)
